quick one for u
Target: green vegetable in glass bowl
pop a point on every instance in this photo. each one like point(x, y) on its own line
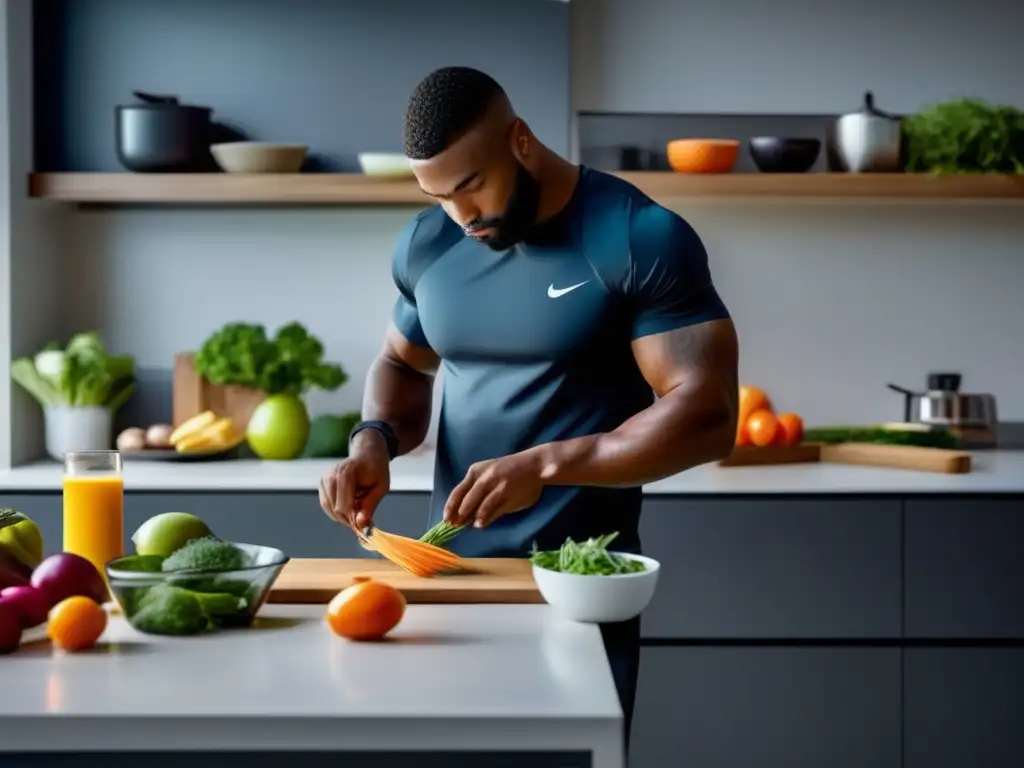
point(587, 558)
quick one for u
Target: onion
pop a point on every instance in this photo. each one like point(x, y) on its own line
point(31, 604)
point(66, 575)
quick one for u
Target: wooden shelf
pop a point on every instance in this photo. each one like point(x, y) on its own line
point(356, 189)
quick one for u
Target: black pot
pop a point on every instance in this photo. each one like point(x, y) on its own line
point(162, 136)
point(772, 154)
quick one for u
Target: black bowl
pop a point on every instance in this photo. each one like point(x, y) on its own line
point(773, 154)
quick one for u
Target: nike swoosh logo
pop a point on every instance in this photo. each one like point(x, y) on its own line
point(554, 293)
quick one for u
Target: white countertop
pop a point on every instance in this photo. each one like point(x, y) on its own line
point(994, 472)
point(451, 677)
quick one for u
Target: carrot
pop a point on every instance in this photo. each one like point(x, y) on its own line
point(431, 554)
point(415, 556)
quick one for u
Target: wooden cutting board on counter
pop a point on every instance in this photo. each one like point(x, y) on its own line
point(912, 457)
point(494, 580)
point(941, 460)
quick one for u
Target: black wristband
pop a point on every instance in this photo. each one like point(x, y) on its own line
point(385, 430)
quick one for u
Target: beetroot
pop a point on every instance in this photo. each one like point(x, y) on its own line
point(66, 575)
point(10, 629)
point(31, 604)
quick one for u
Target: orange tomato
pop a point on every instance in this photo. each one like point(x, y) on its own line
point(76, 623)
point(762, 426)
point(367, 610)
point(791, 428)
point(752, 399)
point(742, 435)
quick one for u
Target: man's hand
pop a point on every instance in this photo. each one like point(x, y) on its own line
point(351, 491)
point(494, 488)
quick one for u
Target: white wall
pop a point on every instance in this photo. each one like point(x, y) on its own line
point(793, 56)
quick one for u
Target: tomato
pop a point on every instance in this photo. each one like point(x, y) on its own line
point(791, 430)
point(742, 435)
point(762, 426)
point(367, 610)
point(752, 399)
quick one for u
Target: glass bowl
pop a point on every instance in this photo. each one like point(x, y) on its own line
point(188, 602)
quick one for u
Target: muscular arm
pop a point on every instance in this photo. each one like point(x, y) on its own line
point(399, 388)
point(693, 370)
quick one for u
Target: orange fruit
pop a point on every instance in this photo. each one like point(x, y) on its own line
point(367, 610)
point(742, 435)
point(752, 399)
point(76, 623)
point(791, 428)
point(762, 426)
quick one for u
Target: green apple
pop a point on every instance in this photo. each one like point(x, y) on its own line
point(279, 428)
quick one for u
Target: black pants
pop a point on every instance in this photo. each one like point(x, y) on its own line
point(622, 644)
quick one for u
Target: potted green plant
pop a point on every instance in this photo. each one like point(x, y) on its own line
point(79, 388)
point(965, 136)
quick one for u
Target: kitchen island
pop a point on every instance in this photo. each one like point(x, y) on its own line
point(455, 685)
point(810, 614)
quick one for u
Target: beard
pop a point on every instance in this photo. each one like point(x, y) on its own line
point(514, 223)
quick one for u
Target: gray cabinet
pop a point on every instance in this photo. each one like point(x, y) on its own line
point(773, 568)
point(290, 521)
point(964, 568)
point(964, 707)
point(767, 708)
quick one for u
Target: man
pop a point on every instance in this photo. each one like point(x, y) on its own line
point(555, 298)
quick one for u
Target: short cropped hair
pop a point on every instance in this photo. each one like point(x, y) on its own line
point(443, 106)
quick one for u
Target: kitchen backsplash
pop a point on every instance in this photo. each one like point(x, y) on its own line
point(832, 300)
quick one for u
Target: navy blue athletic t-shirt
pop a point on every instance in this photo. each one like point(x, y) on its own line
point(535, 343)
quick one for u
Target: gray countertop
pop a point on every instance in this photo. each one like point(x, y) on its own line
point(452, 677)
point(994, 472)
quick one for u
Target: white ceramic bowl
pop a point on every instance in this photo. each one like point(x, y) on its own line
point(599, 598)
point(259, 157)
point(392, 165)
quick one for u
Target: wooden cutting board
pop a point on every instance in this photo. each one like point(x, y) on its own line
point(494, 580)
point(750, 456)
point(898, 457)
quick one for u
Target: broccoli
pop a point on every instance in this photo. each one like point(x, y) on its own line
point(168, 610)
point(222, 608)
point(206, 554)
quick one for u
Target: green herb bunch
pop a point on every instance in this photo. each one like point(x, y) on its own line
point(291, 362)
point(965, 136)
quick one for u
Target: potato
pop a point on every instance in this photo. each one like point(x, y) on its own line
point(132, 439)
point(159, 436)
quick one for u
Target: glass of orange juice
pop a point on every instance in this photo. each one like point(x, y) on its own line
point(94, 506)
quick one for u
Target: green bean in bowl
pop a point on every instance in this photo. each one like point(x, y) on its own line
point(587, 582)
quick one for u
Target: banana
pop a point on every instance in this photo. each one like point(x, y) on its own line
point(191, 426)
point(220, 435)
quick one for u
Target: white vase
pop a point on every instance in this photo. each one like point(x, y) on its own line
point(77, 429)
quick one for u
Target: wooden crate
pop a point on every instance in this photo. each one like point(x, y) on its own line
point(194, 394)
